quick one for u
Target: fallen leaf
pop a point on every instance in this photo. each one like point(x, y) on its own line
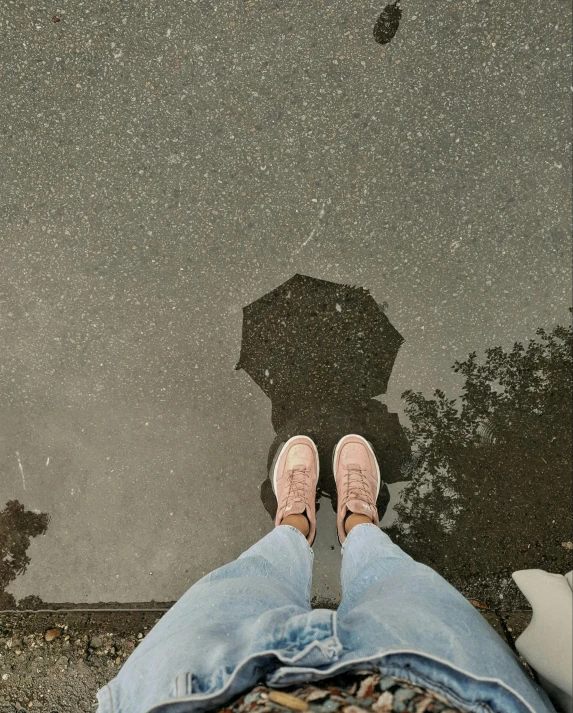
point(366, 687)
point(422, 706)
point(384, 704)
point(477, 604)
point(285, 699)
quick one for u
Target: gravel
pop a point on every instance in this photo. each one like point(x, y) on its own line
point(55, 663)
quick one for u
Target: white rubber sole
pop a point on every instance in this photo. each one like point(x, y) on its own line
point(279, 453)
point(369, 446)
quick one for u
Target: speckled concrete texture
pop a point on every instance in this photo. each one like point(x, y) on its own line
point(163, 164)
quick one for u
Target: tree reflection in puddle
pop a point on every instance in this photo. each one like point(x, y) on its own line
point(490, 488)
point(17, 527)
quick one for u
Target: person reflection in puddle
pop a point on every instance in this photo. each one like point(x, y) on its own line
point(245, 637)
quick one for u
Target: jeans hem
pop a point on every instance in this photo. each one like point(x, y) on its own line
point(356, 527)
point(411, 674)
point(301, 535)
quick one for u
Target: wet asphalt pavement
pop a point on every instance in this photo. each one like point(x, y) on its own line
point(164, 165)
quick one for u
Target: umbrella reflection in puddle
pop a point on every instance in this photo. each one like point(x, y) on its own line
point(321, 351)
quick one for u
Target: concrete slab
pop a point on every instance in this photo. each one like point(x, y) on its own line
point(164, 165)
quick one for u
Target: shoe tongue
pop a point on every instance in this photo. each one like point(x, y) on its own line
point(353, 466)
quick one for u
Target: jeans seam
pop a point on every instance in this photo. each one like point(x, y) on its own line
point(431, 684)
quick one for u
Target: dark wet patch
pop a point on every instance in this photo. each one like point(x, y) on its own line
point(17, 526)
point(500, 469)
point(321, 351)
point(387, 23)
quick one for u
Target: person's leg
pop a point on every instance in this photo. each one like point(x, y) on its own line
point(404, 613)
point(244, 607)
point(258, 603)
point(392, 604)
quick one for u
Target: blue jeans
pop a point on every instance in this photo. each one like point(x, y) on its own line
point(251, 621)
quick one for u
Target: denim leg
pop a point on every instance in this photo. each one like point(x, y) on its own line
point(257, 603)
point(405, 611)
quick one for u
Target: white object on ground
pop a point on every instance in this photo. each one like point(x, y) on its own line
point(547, 642)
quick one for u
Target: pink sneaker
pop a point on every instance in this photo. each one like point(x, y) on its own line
point(294, 479)
point(357, 477)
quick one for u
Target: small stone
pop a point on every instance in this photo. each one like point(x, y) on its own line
point(401, 698)
point(386, 683)
point(52, 634)
point(96, 642)
point(140, 635)
point(251, 697)
point(328, 706)
point(118, 660)
point(5, 676)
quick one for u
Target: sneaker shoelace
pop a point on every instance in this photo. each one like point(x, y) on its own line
point(356, 486)
point(297, 480)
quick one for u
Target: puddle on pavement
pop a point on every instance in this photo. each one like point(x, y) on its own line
point(477, 487)
point(387, 23)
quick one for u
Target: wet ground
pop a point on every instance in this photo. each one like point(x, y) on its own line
point(163, 167)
